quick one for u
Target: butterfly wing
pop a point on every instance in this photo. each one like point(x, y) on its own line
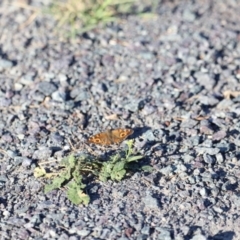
point(102, 138)
point(110, 137)
point(119, 135)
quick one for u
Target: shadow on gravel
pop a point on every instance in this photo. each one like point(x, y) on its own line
point(223, 236)
point(196, 230)
point(92, 189)
point(138, 131)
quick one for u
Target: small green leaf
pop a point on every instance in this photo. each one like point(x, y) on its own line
point(119, 166)
point(84, 197)
point(118, 175)
point(76, 195)
point(77, 175)
point(130, 148)
point(103, 178)
point(49, 188)
point(72, 185)
point(104, 175)
point(72, 161)
point(107, 167)
point(115, 158)
point(66, 174)
point(147, 168)
point(77, 183)
point(134, 158)
point(73, 196)
point(56, 183)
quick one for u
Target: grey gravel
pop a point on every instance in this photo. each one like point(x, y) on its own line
point(150, 202)
point(5, 64)
point(199, 237)
point(173, 78)
point(46, 88)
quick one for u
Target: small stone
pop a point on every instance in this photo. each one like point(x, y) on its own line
point(208, 159)
point(223, 146)
point(150, 202)
point(131, 105)
point(205, 80)
point(206, 130)
point(148, 135)
point(219, 158)
point(219, 135)
point(196, 172)
point(145, 230)
point(148, 110)
point(42, 153)
point(181, 168)
point(79, 94)
point(21, 136)
point(62, 77)
point(188, 158)
point(27, 80)
point(63, 236)
point(26, 162)
point(83, 233)
point(225, 104)
point(207, 143)
point(208, 100)
point(207, 150)
point(189, 123)
point(11, 154)
point(164, 234)
point(18, 86)
point(46, 88)
point(4, 64)
point(59, 96)
point(191, 180)
point(217, 209)
point(199, 237)
point(73, 238)
point(189, 15)
point(6, 213)
point(203, 192)
point(56, 138)
point(167, 170)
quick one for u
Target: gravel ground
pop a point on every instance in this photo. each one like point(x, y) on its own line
point(174, 79)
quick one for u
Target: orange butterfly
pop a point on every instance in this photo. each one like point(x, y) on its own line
point(110, 136)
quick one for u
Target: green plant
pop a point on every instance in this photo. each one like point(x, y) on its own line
point(83, 15)
point(78, 16)
point(116, 168)
point(75, 171)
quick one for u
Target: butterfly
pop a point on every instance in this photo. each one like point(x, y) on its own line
point(110, 136)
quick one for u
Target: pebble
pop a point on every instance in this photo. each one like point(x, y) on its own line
point(46, 88)
point(167, 170)
point(219, 135)
point(18, 86)
point(5, 64)
point(150, 202)
point(59, 96)
point(164, 234)
point(203, 192)
point(199, 237)
point(26, 80)
point(219, 158)
point(208, 159)
point(43, 153)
